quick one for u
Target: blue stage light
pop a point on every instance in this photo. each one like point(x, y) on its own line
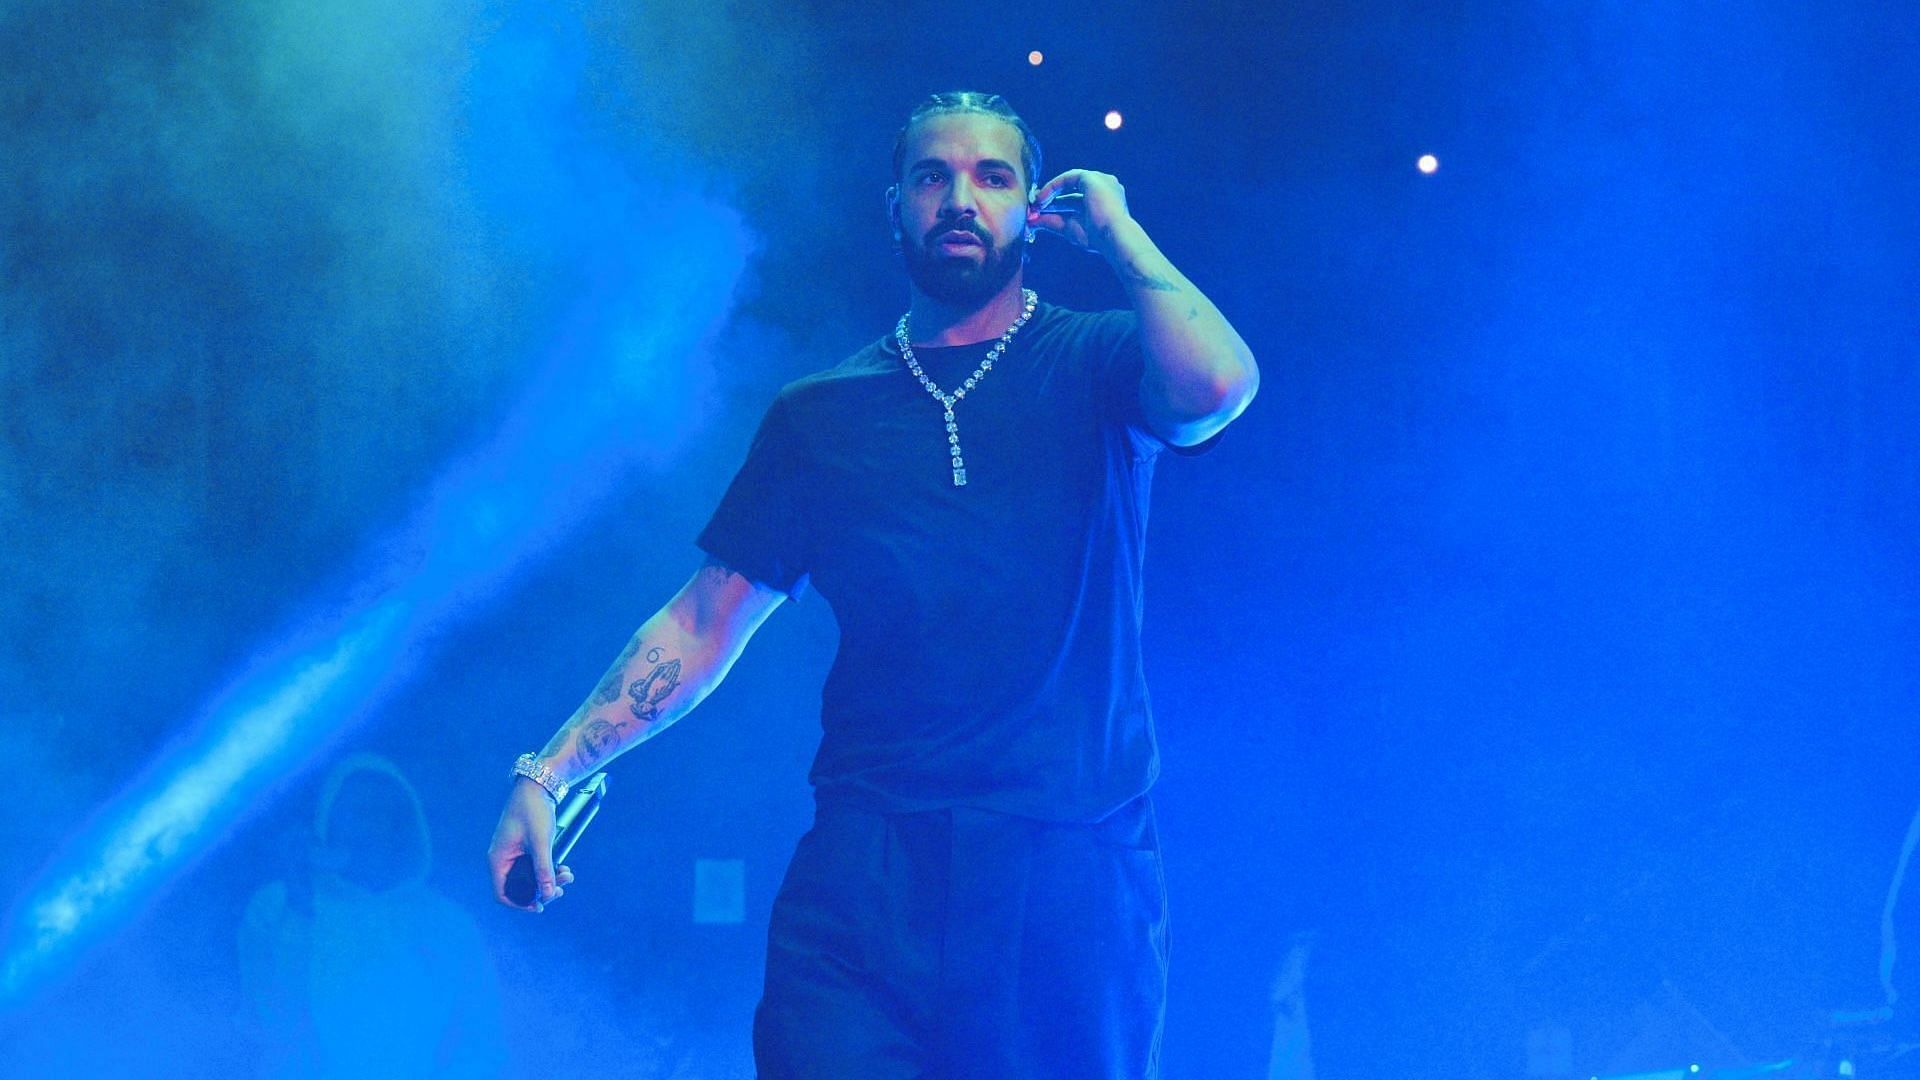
point(618, 386)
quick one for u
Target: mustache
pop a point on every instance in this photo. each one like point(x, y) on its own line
point(957, 225)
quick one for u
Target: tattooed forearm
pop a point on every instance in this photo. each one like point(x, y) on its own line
point(663, 671)
point(1199, 372)
point(593, 734)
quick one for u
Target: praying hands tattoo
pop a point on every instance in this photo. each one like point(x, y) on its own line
point(597, 737)
point(653, 688)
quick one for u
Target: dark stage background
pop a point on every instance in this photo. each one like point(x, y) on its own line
point(1535, 662)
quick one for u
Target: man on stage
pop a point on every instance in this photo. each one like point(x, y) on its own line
point(980, 894)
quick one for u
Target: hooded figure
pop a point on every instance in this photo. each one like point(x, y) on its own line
point(356, 967)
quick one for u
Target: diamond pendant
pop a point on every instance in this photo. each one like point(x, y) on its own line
point(900, 334)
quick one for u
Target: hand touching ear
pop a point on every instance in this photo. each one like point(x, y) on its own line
point(1102, 204)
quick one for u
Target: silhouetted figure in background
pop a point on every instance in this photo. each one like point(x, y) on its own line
point(354, 967)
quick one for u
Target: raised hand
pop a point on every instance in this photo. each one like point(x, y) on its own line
point(1100, 205)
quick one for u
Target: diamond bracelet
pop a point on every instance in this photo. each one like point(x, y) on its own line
point(528, 766)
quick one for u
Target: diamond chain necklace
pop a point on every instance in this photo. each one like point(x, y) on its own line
point(947, 401)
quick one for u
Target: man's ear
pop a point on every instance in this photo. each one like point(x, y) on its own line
point(893, 210)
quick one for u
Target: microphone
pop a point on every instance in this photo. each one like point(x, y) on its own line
point(1065, 202)
point(569, 821)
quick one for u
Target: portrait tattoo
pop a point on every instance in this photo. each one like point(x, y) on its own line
point(649, 692)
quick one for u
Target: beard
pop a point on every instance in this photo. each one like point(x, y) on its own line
point(956, 280)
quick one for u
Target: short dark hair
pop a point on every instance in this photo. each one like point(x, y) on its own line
point(969, 101)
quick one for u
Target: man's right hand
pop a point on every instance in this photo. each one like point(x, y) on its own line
point(675, 658)
point(526, 827)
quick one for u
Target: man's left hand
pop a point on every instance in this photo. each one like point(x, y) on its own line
point(1102, 205)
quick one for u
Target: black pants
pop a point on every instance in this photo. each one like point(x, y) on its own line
point(961, 943)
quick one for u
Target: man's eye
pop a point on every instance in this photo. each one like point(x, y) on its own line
point(996, 180)
point(931, 178)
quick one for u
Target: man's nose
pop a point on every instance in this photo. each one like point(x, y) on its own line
point(961, 198)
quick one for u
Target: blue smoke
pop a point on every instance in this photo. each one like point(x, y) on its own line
point(486, 167)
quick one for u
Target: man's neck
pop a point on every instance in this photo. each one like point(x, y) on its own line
point(934, 323)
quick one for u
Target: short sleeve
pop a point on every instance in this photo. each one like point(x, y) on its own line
point(1119, 364)
point(759, 529)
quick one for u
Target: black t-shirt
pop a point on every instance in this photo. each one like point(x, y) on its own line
point(989, 633)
